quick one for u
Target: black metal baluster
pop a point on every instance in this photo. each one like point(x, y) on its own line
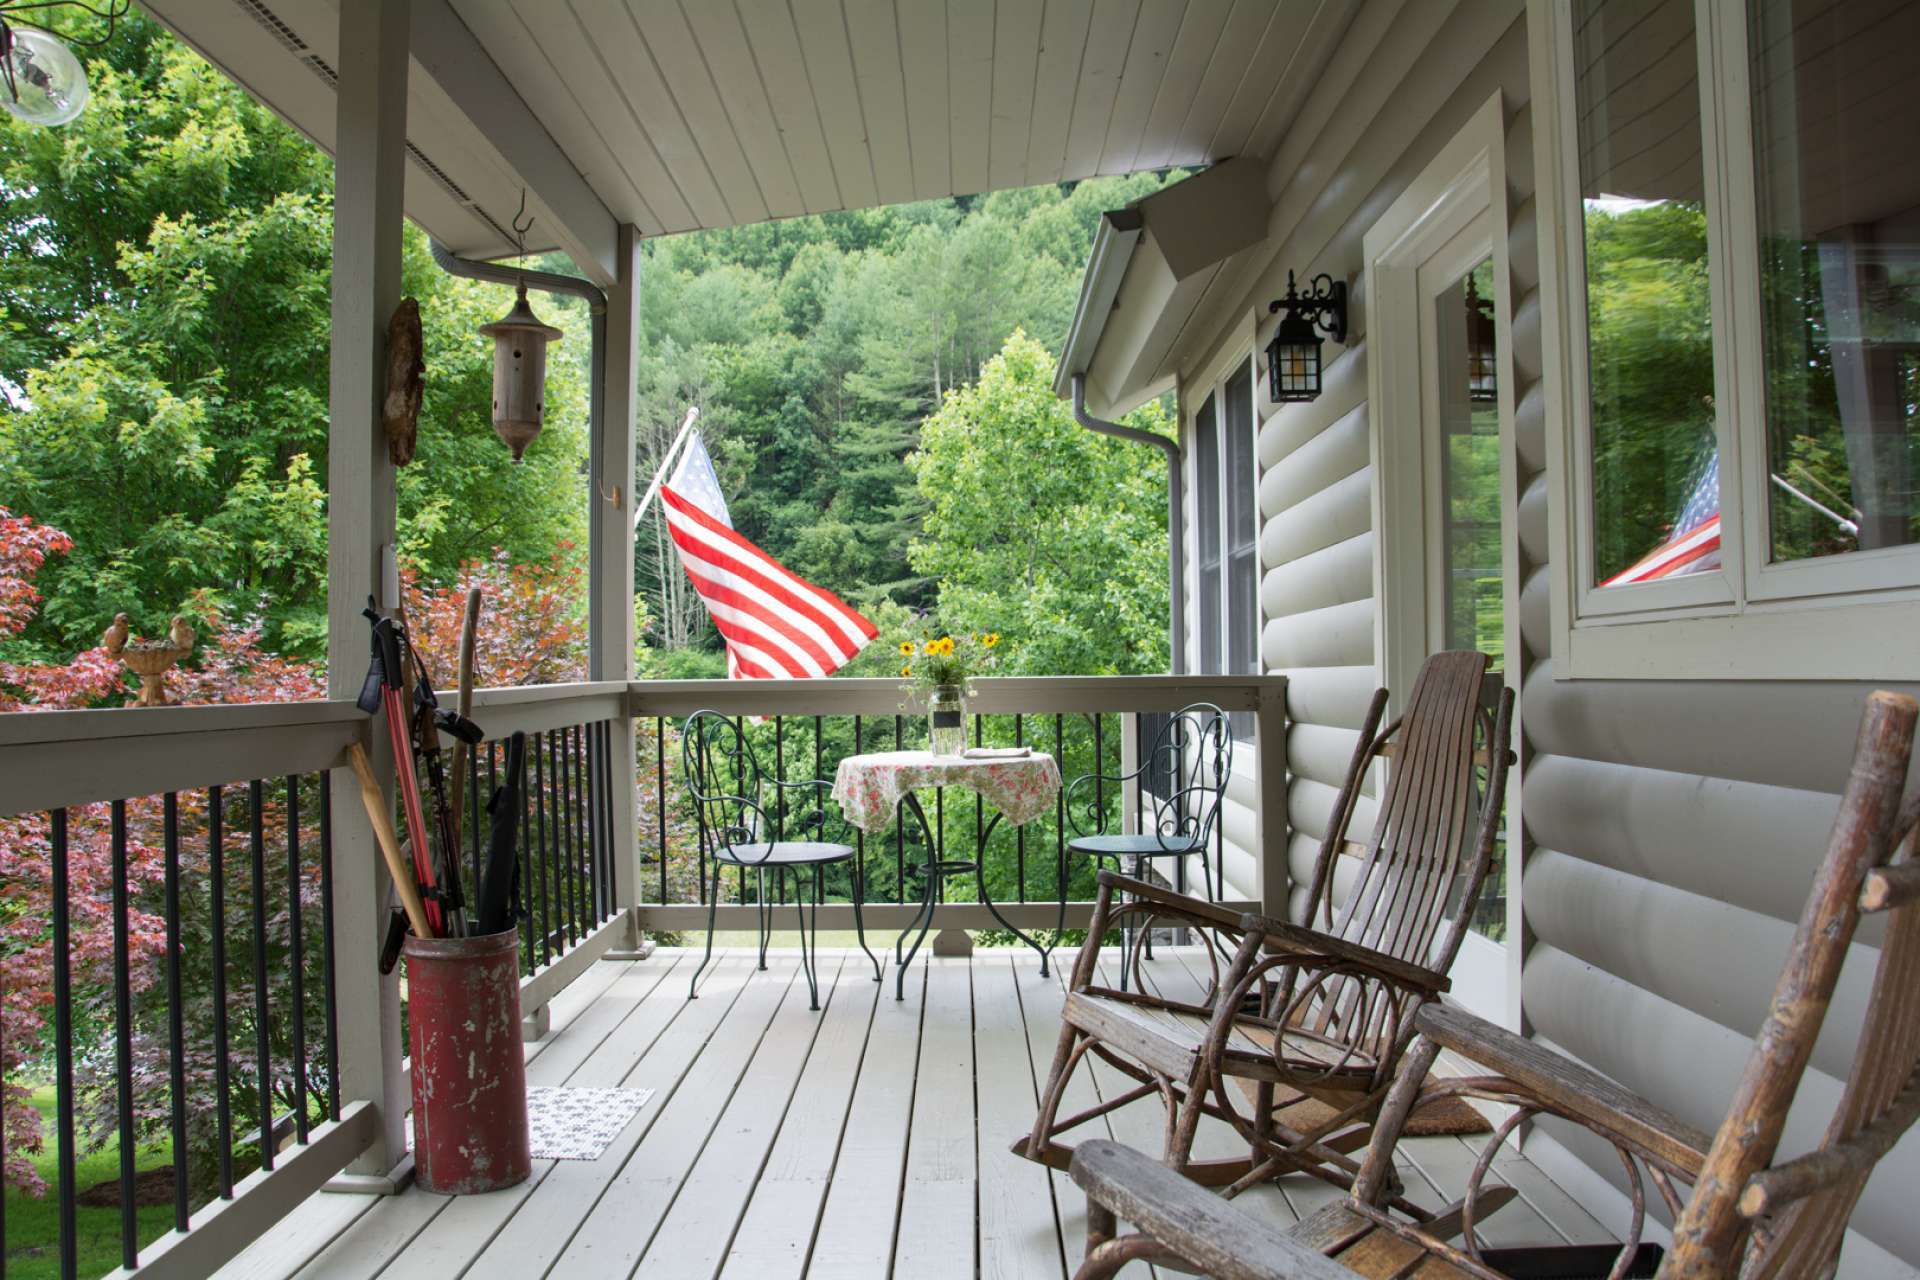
point(217, 890)
point(1099, 768)
point(899, 832)
point(262, 1045)
point(859, 836)
point(563, 831)
point(820, 803)
point(1060, 811)
point(123, 1040)
point(603, 815)
point(1020, 832)
point(540, 821)
point(176, 1019)
point(779, 797)
point(326, 944)
point(660, 804)
point(584, 858)
point(979, 824)
point(569, 769)
point(296, 961)
point(63, 1047)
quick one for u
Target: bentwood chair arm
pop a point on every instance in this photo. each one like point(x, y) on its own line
point(1278, 935)
point(1180, 1221)
point(1565, 1087)
point(1169, 903)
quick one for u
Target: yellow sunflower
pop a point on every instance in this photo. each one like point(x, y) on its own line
point(907, 670)
point(906, 648)
point(991, 639)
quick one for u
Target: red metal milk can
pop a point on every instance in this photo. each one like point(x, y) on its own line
point(469, 1071)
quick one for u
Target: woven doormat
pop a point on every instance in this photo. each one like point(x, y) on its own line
point(573, 1124)
point(579, 1124)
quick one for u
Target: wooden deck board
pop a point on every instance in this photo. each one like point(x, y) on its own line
point(866, 1140)
point(937, 1231)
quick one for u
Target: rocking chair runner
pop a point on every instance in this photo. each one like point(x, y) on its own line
point(1314, 1023)
point(1746, 1217)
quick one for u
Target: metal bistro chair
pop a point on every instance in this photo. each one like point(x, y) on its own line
point(736, 829)
point(1193, 754)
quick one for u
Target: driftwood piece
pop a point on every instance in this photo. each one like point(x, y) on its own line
point(400, 409)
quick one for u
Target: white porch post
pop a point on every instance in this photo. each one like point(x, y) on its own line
point(611, 586)
point(1270, 740)
point(368, 171)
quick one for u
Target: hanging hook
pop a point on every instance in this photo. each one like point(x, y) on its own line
point(520, 228)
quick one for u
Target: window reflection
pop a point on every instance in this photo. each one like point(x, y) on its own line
point(1649, 333)
point(1835, 118)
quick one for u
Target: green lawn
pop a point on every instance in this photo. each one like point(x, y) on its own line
point(33, 1225)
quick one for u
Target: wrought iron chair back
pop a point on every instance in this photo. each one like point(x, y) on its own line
point(727, 786)
point(1433, 833)
point(1192, 756)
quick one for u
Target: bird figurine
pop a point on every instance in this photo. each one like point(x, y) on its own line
point(400, 407)
point(114, 638)
point(149, 659)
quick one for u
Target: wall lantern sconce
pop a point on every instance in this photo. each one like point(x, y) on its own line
point(1483, 381)
point(41, 81)
point(1293, 357)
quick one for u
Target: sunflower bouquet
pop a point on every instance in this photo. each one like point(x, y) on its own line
point(940, 665)
point(937, 659)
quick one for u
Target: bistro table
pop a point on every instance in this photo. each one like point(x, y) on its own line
point(872, 788)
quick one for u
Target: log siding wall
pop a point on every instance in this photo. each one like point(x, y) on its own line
point(1670, 829)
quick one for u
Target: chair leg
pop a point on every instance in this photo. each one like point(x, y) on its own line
point(800, 909)
point(762, 915)
point(1065, 1061)
point(1140, 873)
point(860, 925)
point(713, 905)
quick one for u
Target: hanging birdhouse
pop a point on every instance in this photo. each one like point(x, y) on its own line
point(520, 341)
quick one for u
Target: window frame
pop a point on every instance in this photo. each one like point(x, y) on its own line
point(1828, 617)
point(1210, 385)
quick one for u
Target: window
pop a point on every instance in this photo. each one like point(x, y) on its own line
point(1737, 376)
point(1226, 510)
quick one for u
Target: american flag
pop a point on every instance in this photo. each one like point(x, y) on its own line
point(1694, 544)
point(776, 624)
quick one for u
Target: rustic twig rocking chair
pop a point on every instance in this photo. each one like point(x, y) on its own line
point(1747, 1217)
point(1311, 1023)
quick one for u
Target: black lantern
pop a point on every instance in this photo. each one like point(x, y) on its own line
point(1483, 382)
point(1293, 357)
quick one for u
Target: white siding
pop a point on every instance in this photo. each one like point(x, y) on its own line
point(1671, 830)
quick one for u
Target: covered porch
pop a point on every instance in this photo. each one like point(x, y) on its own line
point(867, 1140)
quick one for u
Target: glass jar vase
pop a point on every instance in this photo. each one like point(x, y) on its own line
point(947, 719)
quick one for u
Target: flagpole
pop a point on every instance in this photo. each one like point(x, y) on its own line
point(666, 460)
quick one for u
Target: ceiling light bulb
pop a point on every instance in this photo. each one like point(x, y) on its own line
point(46, 83)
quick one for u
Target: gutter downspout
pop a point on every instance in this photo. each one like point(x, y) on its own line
point(1176, 508)
point(549, 282)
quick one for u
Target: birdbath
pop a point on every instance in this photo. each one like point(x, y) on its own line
point(149, 659)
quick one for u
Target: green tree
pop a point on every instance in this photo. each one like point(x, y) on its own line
point(1041, 530)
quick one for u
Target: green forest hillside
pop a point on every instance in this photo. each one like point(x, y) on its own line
point(164, 295)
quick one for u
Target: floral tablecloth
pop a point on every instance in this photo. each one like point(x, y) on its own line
point(868, 787)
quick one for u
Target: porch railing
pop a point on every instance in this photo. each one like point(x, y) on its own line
point(210, 928)
point(187, 873)
point(1093, 725)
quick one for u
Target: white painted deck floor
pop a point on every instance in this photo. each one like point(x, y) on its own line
point(865, 1141)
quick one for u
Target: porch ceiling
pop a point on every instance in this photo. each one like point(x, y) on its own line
point(676, 116)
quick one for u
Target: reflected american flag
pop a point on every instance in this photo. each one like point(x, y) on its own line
point(1694, 544)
